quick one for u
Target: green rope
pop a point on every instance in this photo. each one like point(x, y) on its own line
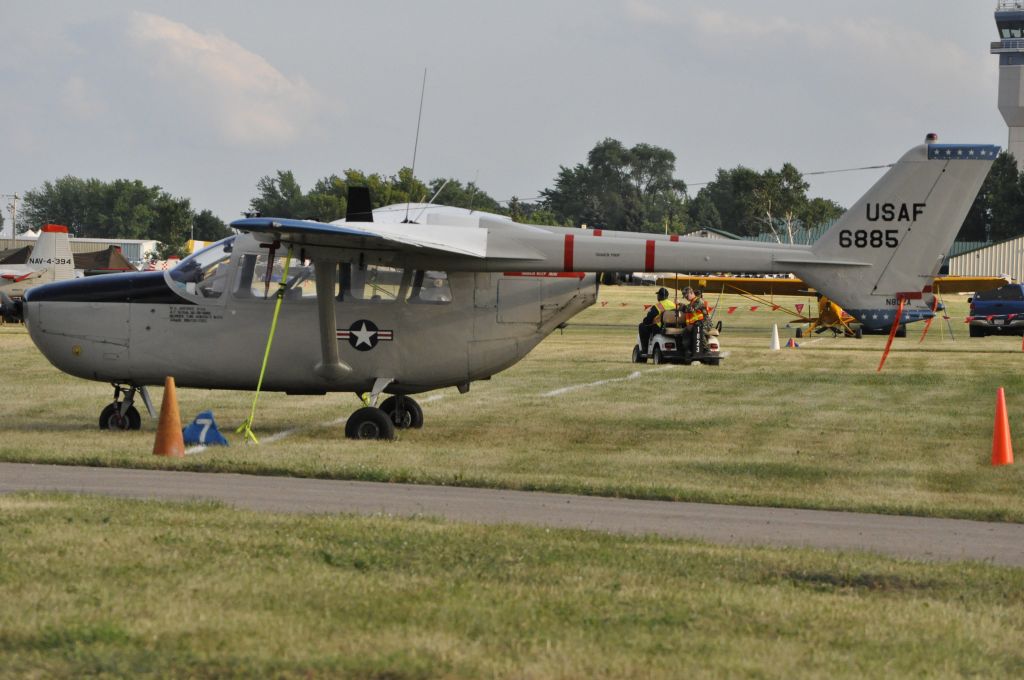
point(246, 427)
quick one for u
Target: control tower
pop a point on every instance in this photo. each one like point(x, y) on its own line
point(1010, 48)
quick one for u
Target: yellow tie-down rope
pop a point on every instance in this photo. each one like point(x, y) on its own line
point(246, 427)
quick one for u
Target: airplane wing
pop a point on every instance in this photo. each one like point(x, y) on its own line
point(411, 238)
point(968, 284)
point(739, 285)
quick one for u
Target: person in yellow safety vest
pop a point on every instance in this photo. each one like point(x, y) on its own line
point(653, 319)
point(695, 313)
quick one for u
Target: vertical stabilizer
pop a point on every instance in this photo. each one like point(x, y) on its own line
point(52, 253)
point(891, 243)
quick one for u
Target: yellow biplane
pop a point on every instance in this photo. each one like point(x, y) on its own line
point(831, 317)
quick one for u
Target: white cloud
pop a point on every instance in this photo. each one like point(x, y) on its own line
point(719, 23)
point(80, 98)
point(647, 12)
point(890, 48)
point(246, 99)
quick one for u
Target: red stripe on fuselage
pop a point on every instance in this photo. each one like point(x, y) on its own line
point(567, 264)
point(674, 238)
point(597, 232)
point(649, 257)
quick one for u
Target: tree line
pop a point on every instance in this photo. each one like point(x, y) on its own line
point(121, 209)
point(616, 187)
point(997, 214)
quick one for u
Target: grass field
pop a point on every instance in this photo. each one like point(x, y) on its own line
point(812, 427)
point(98, 587)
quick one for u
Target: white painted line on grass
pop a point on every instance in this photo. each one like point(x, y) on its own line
point(632, 376)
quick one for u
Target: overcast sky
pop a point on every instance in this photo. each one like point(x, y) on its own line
point(204, 97)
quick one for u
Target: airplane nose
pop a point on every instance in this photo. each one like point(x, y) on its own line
point(127, 287)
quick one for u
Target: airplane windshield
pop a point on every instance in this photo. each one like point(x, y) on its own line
point(204, 272)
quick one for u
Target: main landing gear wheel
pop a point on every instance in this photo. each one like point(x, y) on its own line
point(369, 423)
point(404, 412)
point(111, 418)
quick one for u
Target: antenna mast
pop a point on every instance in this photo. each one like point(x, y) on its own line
point(416, 144)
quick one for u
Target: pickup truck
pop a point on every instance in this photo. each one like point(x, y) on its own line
point(997, 312)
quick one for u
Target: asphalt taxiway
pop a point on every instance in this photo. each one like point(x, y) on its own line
point(919, 538)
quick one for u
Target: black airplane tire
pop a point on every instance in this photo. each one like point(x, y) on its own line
point(369, 423)
point(404, 412)
point(901, 330)
point(637, 357)
point(799, 332)
point(110, 419)
point(658, 358)
point(859, 333)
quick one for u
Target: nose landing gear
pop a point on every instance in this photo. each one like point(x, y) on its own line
point(121, 413)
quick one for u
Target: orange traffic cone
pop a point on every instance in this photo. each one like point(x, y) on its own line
point(169, 440)
point(1002, 449)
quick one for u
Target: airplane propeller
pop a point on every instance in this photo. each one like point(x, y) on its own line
point(10, 309)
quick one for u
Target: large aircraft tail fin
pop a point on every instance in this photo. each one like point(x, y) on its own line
point(890, 244)
point(52, 253)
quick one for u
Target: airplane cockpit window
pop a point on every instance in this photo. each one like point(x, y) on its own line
point(430, 287)
point(204, 273)
point(374, 283)
point(259, 278)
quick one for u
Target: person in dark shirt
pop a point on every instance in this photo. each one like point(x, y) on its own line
point(652, 320)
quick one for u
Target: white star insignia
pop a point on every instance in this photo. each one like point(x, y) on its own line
point(364, 336)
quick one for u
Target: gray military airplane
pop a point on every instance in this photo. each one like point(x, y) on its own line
point(406, 299)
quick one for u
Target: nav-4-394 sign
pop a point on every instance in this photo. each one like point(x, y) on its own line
point(364, 335)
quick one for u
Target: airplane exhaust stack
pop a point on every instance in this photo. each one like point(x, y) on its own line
point(1002, 449)
point(775, 338)
point(169, 440)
